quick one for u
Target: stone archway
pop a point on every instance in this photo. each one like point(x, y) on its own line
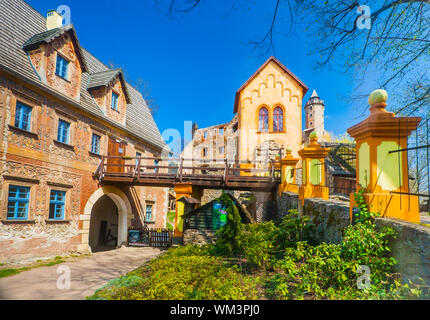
point(124, 215)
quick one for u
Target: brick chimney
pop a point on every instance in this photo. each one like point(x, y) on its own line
point(53, 20)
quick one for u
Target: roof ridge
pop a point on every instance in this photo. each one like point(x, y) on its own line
point(33, 9)
point(95, 58)
point(106, 71)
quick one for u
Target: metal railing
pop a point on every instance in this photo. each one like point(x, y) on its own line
point(418, 154)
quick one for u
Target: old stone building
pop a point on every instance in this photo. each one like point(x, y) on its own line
point(61, 110)
point(212, 144)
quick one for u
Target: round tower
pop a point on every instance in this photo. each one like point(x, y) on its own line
point(314, 113)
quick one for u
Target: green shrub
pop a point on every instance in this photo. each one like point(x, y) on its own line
point(228, 235)
point(292, 229)
point(303, 269)
point(329, 271)
point(312, 272)
point(258, 243)
point(185, 273)
point(320, 272)
point(363, 213)
point(368, 245)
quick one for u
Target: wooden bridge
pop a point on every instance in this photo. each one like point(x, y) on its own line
point(217, 174)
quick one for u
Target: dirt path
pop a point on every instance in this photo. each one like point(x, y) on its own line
point(86, 275)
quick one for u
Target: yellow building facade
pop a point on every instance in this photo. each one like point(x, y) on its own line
point(269, 108)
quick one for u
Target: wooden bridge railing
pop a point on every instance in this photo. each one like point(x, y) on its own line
point(141, 167)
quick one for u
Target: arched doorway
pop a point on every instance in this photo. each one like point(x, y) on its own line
point(109, 196)
point(103, 225)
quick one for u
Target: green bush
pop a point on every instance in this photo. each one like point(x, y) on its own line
point(303, 269)
point(312, 272)
point(321, 272)
point(293, 228)
point(329, 271)
point(368, 245)
point(228, 235)
point(258, 243)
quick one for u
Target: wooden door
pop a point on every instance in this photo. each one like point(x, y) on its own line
point(116, 149)
point(102, 233)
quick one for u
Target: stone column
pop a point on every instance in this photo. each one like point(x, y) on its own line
point(382, 166)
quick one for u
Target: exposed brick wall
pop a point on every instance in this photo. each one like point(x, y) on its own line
point(36, 160)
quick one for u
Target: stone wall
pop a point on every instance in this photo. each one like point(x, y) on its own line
point(411, 249)
point(286, 202)
point(198, 237)
point(330, 218)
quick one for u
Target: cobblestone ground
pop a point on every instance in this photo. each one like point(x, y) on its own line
point(86, 275)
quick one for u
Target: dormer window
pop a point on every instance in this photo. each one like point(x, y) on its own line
point(62, 68)
point(114, 104)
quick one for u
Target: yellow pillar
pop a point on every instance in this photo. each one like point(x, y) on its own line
point(313, 170)
point(288, 174)
point(181, 190)
point(380, 171)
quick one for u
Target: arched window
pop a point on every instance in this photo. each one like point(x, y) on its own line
point(263, 120)
point(278, 120)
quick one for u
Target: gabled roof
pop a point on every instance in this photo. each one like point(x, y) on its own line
point(19, 23)
point(305, 88)
point(50, 35)
point(104, 78)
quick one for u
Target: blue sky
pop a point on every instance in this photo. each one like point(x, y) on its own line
point(194, 63)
